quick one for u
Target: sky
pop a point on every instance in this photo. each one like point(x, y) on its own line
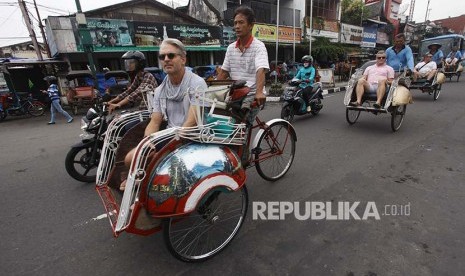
point(12, 25)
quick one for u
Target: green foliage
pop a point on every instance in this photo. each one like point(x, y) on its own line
point(323, 49)
point(276, 89)
point(353, 11)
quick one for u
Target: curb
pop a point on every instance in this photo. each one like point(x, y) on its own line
point(325, 92)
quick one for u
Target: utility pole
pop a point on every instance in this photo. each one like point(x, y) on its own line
point(426, 15)
point(412, 8)
point(42, 31)
point(311, 27)
point(32, 34)
point(86, 40)
point(277, 39)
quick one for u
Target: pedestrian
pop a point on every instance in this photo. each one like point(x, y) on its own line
point(54, 95)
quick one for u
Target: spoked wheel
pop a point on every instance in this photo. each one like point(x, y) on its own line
point(78, 164)
point(397, 116)
point(36, 109)
point(287, 113)
point(210, 228)
point(352, 115)
point(275, 151)
point(437, 91)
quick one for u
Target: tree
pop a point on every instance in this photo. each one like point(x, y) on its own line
point(324, 50)
point(353, 12)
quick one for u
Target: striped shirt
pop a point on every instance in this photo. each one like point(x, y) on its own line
point(244, 65)
point(143, 83)
point(53, 92)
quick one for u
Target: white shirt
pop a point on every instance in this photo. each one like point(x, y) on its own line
point(244, 65)
point(427, 68)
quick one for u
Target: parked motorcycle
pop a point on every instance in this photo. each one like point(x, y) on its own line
point(83, 158)
point(16, 104)
point(294, 103)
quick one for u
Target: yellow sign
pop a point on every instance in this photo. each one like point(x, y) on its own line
point(264, 32)
point(267, 33)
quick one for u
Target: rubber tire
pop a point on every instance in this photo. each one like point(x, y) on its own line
point(394, 114)
point(437, 92)
point(315, 112)
point(287, 112)
point(36, 109)
point(3, 115)
point(293, 139)
point(69, 164)
point(169, 245)
point(349, 119)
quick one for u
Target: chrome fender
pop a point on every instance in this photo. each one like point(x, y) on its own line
point(269, 123)
point(185, 175)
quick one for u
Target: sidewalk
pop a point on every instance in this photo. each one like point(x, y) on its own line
point(338, 87)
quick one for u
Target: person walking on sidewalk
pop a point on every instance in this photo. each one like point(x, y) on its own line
point(54, 95)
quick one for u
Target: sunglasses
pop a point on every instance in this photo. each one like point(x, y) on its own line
point(169, 55)
point(380, 57)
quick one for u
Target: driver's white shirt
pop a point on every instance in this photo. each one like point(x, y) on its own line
point(427, 68)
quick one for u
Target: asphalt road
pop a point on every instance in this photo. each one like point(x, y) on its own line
point(48, 224)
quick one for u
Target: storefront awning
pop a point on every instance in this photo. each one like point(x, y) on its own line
point(377, 21)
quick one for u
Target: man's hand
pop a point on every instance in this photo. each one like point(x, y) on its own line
point(260, 98)
point(112, 106)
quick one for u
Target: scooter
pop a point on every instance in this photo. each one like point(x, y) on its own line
point(294, 103)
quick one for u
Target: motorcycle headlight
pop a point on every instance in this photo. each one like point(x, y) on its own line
point(84, 124)
point(91, 114)
point(94, 124)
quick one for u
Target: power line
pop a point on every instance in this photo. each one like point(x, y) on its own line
point(47, 7)
point(15, 37)
point(11, 14)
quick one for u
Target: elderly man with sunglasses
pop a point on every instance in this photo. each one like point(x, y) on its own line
point(171, 100)
point(374, 81)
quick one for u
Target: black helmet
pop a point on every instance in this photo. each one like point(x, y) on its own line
point(307, 58)
point(132, 56)
point(50, 79)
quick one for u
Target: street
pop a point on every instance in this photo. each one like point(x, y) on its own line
point(50, 223)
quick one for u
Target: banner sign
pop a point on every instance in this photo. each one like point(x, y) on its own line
point(351, 34)
point(152, 34)
point(229, 36)
point(369, 36)
point(110, 32)
point(382, 38)
point(122, 35)
point(267, 33)
point(287, 34)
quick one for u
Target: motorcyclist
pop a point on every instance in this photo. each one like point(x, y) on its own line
point(142, 82)
point(307, 75)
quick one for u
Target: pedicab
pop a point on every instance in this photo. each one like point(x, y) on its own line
point(120, 83)
point(157, 73)
point(192, 188)
point(81, 93)
point(434, 88)
point(207, 72)
point(453, 70)
point(394, 102)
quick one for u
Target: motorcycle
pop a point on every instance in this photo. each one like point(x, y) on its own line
point(16, 104)
point(294, 103)
point(83, 158)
